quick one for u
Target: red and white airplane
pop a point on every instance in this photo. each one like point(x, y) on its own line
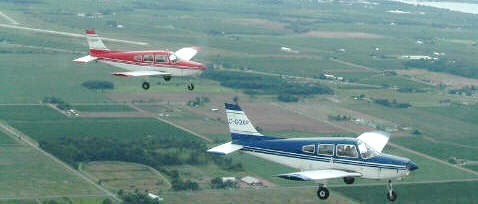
point(154, 63)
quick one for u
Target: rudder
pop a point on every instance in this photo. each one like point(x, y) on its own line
point(238, 121)
point(94, 41)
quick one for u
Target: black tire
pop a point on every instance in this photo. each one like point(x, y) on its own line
point(392, 197)
point(349, 180)
point(167, 78)
point(145, 85)
point(323, 193)
point(190, 86)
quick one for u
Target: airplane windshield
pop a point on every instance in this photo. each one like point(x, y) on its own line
point(366, 152)
point(172, 58)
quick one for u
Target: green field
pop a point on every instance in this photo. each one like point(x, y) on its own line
point(354, 40)
point(42, 176)
point(128, 177)
point(5, 139)
point(460, 192)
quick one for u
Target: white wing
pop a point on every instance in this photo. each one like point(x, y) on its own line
point(141, 73)
point(85, 59)
point(317, 175)
point(186, 53)
point(225, 148)
point(377, 140)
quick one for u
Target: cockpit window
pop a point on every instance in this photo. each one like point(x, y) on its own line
point(161, 59)
point(366, 152)
point(346, 150)
point(308, 149)
point(326, 149)
point(148, 58)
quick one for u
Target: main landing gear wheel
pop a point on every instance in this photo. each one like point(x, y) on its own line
point(145, 85)
point(349, 180)
point(323, 193)
point(190, 86)
point(391, 195)
point(167, 78)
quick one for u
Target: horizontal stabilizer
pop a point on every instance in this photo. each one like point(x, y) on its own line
point(225, 148)
point(377, 139)
point(141, 73)
point(85, 59)
point(317, 175)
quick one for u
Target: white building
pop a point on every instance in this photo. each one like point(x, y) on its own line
point(228, 179)
point(251, 181)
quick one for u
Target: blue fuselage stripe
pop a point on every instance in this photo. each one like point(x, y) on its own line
point(320, 158)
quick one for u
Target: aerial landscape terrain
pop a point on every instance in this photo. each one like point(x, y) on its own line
point(72, 133)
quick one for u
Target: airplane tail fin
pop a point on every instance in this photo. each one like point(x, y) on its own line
point(240, 128)
point(94, 42)
point(238, 121)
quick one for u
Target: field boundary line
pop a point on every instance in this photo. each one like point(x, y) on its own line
point(11, 20)
point(27, 140)
point(49, 197)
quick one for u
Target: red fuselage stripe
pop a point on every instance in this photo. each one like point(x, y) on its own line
point(148, 64)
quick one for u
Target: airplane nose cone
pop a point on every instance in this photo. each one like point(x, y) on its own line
point(202, 67)
point(411, 166)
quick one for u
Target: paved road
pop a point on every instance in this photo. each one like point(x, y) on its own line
point(14, 133)
point(304, 78)
point(67, 34)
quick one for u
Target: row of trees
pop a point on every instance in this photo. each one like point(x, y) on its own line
point(467, 90)
point(391, 104)
point(255, 84)
point(445, 65)
point(157, 152)
point(58, 102)
point(98, 85)
point(217, 183)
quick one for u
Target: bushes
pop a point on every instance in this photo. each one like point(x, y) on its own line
point(58, 102)
point(445, 65)
point(255, 84)
point(98, 85)
point(391, 104)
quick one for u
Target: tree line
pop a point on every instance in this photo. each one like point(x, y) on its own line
point(256, 84)
point(158, 152)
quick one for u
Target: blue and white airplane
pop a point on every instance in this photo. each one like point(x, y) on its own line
point(319, 159)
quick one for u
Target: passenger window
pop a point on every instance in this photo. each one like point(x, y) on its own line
point(161, 59)
point(148, 58)
point(344, 150)
point(326, 149)
point(138, 58)
point(308, 149)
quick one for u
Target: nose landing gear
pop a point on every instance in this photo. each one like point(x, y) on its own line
point(391, 195)
point(190, 86)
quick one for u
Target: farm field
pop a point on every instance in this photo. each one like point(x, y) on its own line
point(364, 44)
point(128, 177)
point(6, 140)
point(26, 173)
